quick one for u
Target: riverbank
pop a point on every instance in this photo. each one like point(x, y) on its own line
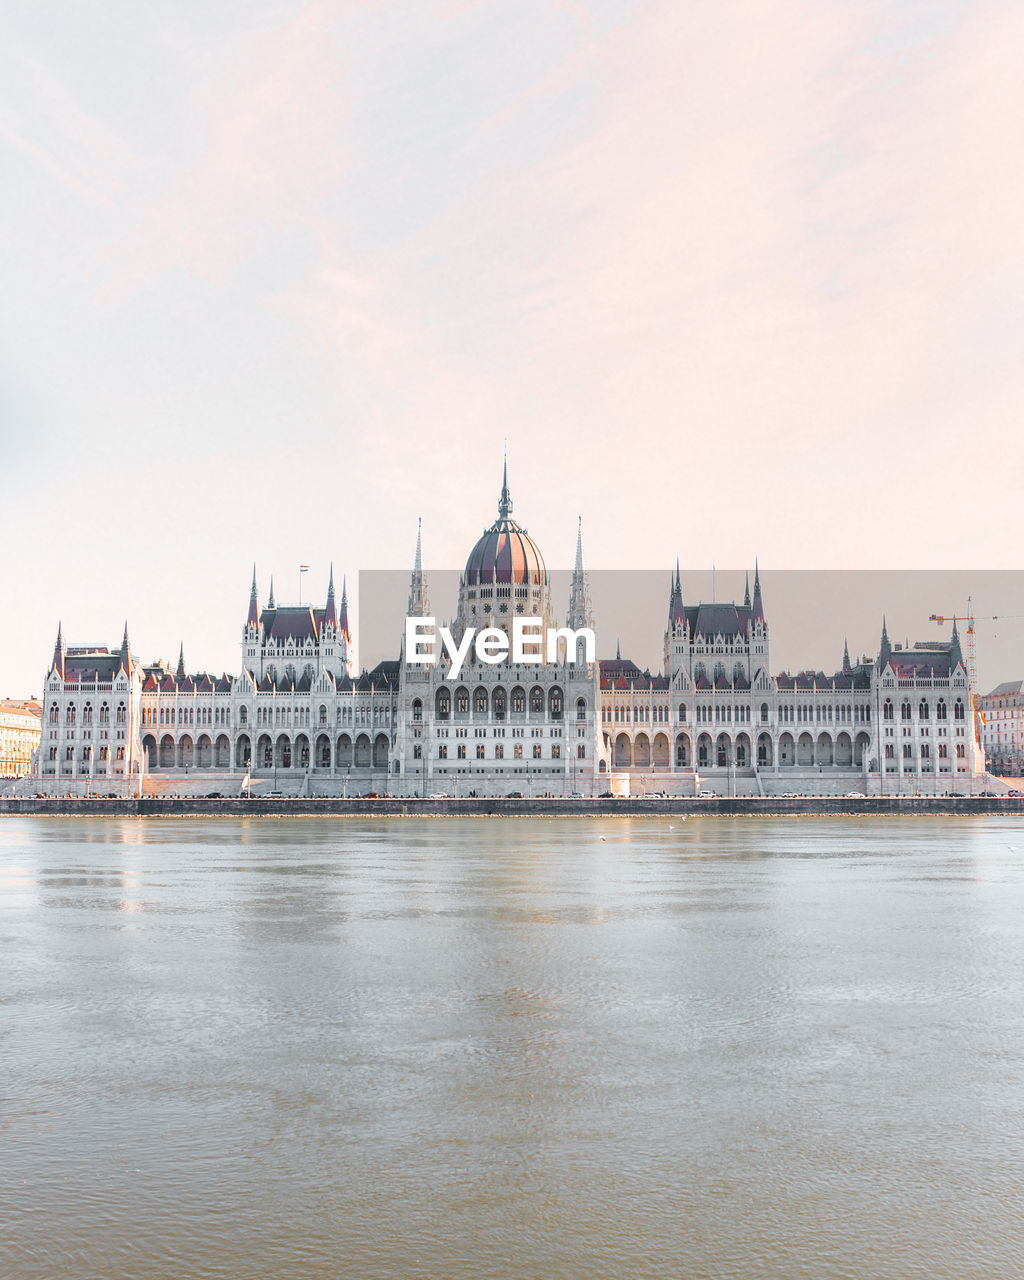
point(496, 807)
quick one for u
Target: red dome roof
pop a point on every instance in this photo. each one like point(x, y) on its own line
point(505, 552)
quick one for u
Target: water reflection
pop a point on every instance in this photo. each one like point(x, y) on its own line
point(477, 1048)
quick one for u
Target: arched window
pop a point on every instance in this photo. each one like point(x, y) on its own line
point(536, 701)
point(243, 715)
point(905, 709)
point(764, 712)
point(70, 716)
point(480, 702)
point(958, 709)
point(922, 710)
point(462, 701)
point(54, 714)
point(323, 715)
point(443, 704)
point(442, 752)
point(518, 699)
point(555, 704)
point(87, 713)
point(887, 709)
point(417, 710)
point(940, 709)
point(104, 713)
point(581, 708)
point(682, 713)
point(121, 713)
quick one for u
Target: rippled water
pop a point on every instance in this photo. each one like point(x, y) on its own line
point(519, 1048)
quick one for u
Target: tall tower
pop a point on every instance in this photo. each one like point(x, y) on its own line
point(419, 605)
point(580, 612)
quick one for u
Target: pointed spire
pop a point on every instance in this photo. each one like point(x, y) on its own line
point(580, 613)
point(330, 614)
point(675, 598)
point(746, 592)
point(847, 665)
point(343, 616)
point(253, 617)
point(270, 602)
point(126, 651)
point(505, 501)
point(180, 673)
point(618, 651)
point(884, 648)
point(956, 656)
point(419, 606)
point(58, 653)
point(758, 604)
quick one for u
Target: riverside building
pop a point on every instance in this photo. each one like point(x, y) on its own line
point(297, 718)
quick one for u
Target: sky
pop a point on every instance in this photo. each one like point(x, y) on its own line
point(728, 279)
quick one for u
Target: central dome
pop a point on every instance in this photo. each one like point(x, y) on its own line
point(505, 552)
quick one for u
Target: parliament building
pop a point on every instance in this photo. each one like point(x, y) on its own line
point(299, 719)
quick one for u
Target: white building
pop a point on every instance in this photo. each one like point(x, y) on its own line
point(297, 719)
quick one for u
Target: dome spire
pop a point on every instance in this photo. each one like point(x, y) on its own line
point(505, 501)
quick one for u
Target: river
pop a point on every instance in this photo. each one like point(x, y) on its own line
point(511, 1048)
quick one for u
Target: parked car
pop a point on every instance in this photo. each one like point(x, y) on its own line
point(607, 795)
point(515, 795)
point(214, 795)
point(707, 795)
point(855, 795)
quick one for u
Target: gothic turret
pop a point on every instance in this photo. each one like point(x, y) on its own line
point(757, 605)
point(884, 648)
point(419, 606)
point(253, 616)
point(343, 616)
point(580, 613)
point(126, 652)
point(330, 613)
point(58, 654)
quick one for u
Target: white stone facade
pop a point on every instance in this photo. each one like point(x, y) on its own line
point(297, 720)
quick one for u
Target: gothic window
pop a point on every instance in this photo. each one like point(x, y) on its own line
point(323, 715)
point(462, 701)
point(581, 708)
point(417, 751)
point(960, 751)
point(682, 713)
point(54, 714)
point(905, 710)
point(556, 751)
point(499, 751)
point(443, 704)
point(581, 752)
point(887, 709)
point(536, 751)
point(907, 751)
point(518, 700)
point(70, 717)
point(555, 702)
point(517, 751)
point(87, 713)
point(479, 750)
point(536, 701)
point(480, 702)
point(442, 752)
point(417, 710)
point(922, 710)
point(958, 709)
point(940, 709)
point(462, 751)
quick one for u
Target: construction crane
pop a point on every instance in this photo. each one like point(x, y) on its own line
point(970, 620)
